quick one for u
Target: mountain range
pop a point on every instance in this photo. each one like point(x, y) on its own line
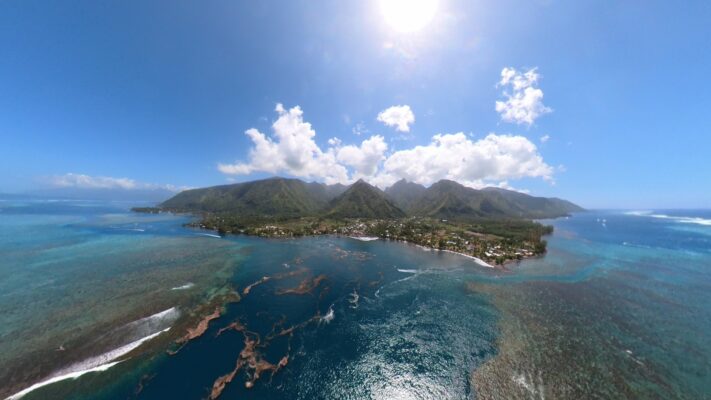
point(293, 198)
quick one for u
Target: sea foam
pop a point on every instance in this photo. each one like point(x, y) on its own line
point(98, 363)
point(364, 238)
point(475, 259)
point(407, 271)
point(681, 219)
point(184, 287)
point(329, 315)
point(209, 235)
point(72, 375)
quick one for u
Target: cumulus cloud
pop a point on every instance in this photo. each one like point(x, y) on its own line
point(523, 102)
point(291, 150)
point(400, 117)
point(82, 181)
point(364, 159)
point(490, 161)
point(545, 138)
point(486, 162)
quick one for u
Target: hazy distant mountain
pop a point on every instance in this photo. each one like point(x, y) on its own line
point(116, 194)
point(405, 193)
point(363, 200)
point(292, 198)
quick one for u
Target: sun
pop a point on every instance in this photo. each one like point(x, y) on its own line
point(406, 16)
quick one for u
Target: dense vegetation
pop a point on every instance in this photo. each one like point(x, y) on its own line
point(292, 198)
point(491, 224)
point(404, 193)
point(362, 200)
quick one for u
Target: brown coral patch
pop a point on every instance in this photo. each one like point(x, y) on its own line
point(201, 327)
point(305, 287)
point(259, 282)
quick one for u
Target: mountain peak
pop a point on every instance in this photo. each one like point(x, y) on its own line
point(363, 200)
point(293, 198)
point(404, 193)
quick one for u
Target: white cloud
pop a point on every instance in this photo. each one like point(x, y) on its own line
point(366, 158)
point(491, 161)
point(291, 150)
point(82, 181)
point(91, 182)
point(524, 101)
point(485, 162)
point(399, 117)
point(545, 138)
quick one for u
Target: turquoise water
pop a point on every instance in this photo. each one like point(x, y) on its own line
point(618, 308)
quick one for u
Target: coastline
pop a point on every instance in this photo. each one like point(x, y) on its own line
point(364, 238)
point(490, 243)
point(475, 259)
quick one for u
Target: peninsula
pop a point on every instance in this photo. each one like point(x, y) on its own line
point(492, 224)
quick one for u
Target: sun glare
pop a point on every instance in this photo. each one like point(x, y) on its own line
point(407, 16)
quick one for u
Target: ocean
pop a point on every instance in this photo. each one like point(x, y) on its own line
point(619, 307)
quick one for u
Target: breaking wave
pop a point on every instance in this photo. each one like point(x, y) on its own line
point(329, 315)
point(364, 238)
point(98, 363)
point(183, 287)
point(680, 219)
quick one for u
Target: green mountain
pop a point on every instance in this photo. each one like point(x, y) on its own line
point(363, 200)
point(451, 200)
point(531, 206)
point(275, 197)
point(404, 193)
point(326, 193)
point(292, 198)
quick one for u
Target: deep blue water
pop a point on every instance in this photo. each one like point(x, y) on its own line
point(620, 307)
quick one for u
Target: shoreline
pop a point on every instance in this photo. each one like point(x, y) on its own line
point(477, 260)
point(364, 238)
point(281, 232)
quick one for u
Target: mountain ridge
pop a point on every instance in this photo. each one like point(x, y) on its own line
point(293, 198)
point(362, 200)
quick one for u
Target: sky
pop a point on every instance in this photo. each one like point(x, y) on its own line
point(602, 103)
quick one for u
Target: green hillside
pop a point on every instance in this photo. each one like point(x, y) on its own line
point(404, 193)
point(363, 200)
point(292, 198)
point(451, 200)
point(276, 197)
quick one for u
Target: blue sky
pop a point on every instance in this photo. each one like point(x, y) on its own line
point(161, 93)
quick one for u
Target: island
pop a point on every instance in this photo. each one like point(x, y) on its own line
point(492, 225)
